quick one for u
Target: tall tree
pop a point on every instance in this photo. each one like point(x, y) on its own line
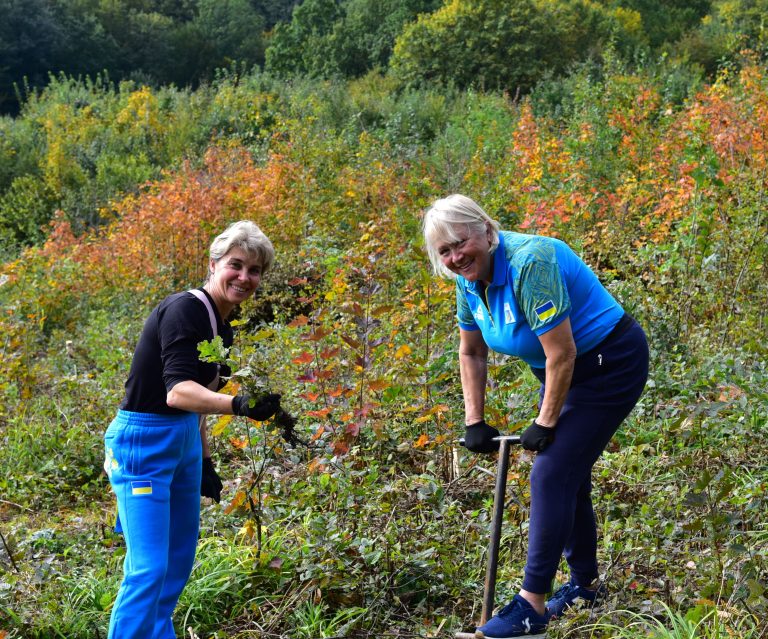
point(326, 37)
point(30, 40)
point(486, 43)
point(667, 20)
point(301, 45)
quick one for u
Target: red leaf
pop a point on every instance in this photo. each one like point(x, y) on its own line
point(340, 448)
point(317, 335)
point(352, 342)
point(304, 358)
point(353, 429)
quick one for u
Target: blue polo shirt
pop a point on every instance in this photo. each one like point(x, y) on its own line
point(537, 282)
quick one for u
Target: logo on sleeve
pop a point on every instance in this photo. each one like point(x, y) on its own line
point(545, 311)
point(479, 314)
point(141, 487)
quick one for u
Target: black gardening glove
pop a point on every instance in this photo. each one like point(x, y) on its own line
point(537, 437)
point(210, 483)
point(478, 438)
point(260, 410)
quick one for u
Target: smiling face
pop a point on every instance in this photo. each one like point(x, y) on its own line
point(233, 279)
point(467, 254)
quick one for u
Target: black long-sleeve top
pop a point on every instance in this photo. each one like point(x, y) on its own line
point(167, 354)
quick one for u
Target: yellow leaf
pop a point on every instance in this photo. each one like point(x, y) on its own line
point(220, 425)
point(248, 529)
point(403, 351)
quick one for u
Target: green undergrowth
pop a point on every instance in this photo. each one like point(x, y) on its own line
point(391, 533)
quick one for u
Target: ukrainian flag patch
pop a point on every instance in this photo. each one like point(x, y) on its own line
point(545, 311)
point(141, 488)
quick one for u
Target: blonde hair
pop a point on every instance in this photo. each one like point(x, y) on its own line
point(247, 236)
point(441, 223)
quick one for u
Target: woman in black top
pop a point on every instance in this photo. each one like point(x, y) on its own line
point(156, 448)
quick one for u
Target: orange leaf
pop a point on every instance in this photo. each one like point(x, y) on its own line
point(336, 392)
point(301, 320)
point(323, 412)
point(310, 396)
point(378, 384)
point(297, 280)
point(316, 466)
point(304, 358)
point(330, 352)
point(422, 441)
point(236, 502)
point(238, 443)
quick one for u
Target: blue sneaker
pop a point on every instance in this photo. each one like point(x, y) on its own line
point(571, 595)
point(516, 619)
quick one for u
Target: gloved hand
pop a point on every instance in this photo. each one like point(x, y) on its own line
point(537, 437)
point(210, 483)
point(478, 438)
point(261, 410)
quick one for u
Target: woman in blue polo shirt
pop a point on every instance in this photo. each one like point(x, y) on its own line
point(157, 456)
point(532, 297)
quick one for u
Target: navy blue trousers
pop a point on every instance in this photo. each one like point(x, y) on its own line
point(607, 382)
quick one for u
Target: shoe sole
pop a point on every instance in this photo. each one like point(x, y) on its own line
point(480, 635)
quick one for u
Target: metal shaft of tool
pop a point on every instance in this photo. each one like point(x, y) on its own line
point(499, 497)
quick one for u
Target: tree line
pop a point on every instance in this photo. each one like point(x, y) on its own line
point(494, 44)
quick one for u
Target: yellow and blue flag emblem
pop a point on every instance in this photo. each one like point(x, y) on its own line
point(545, 311)
point(141, 488)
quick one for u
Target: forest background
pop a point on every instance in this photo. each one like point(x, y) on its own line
point(135, 130)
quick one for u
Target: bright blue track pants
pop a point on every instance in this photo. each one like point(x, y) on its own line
point(607, 382)
point(154, 465)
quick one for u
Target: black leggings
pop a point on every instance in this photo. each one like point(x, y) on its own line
point(607, 382)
